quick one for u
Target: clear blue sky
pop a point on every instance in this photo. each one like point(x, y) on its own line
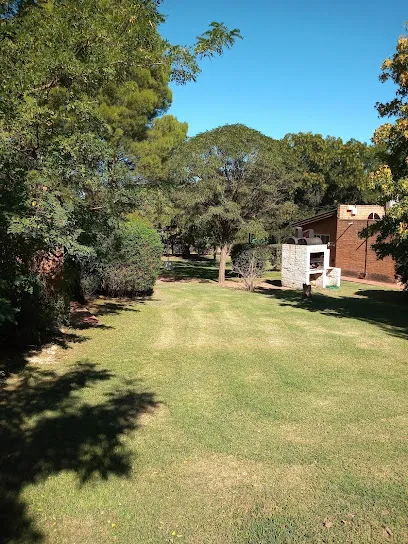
point(309, 66)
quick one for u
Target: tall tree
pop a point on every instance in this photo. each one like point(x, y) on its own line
point(334, 171)
point(152, 153)
point(230, 179)
point(392, 177)
point(82, 82)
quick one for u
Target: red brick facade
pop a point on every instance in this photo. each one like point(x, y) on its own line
point(352, 254)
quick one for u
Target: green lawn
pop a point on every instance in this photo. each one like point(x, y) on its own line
point(213, 415)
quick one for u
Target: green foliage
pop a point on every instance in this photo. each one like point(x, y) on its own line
point(134, 263)
point(391, 179)
point(82, 83)
point(252, 230)
point(334, 172)
point(90, 283)
point(34, 304)
point(162, 138)
point(7, 312)
point(230, 179)
point(275, 256)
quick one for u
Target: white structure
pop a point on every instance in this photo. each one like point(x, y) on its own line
point(308, 264)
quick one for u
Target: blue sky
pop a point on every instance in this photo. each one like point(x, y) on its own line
point(309, 66)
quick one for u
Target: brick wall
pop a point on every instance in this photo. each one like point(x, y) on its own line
point(363, 211)
point(352, 252)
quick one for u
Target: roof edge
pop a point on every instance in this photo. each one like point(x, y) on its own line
point(314, 218)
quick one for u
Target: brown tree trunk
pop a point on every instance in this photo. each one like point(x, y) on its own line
point(223, 260)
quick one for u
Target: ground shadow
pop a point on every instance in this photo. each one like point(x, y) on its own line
point(188, 270)
point(14, 359)
point(385, 308)
point(46, 428)
point(275, 283)
point(115, 306)
point(14, 355)
point(85, 316)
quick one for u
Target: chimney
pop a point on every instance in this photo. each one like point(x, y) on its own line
point(309, 233)
point(298, 232)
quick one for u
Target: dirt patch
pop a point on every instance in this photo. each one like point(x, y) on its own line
point(47, 355)
point(221, 473)
point(72, 529)
point(388, 285)
point(80, 317)
point(154, 415)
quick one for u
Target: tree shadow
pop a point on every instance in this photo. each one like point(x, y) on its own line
point(85, 316)
point(109, 306)
point(204, 270)
point(13, 360)
point(384, 308)
point(275, 283)
point(46, 428)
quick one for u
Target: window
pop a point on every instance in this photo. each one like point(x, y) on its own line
point(374, 216)
point(325, 238)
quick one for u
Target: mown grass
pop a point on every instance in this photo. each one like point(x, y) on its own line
point(209, 415)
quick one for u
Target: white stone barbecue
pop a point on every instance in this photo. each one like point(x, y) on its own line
point(308, 264)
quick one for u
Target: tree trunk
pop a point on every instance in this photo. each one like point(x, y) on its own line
point(186, 251)
point(223, 260)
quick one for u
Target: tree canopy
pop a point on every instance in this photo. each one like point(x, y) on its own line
point(232, 180)
point(334, 171)
point(82, 86)
point(392, 177)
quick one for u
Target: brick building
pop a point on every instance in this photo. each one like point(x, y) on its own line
point(339, 228)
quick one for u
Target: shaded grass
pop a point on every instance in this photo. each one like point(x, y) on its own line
point(47, 428)
point(200, 268)
point(277, 422)
point(386, 308)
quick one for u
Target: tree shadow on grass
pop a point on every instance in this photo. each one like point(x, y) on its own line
point(275, 283)
point(13, 360)
point(46, 428)
point(14, 356)
point(384, 308)
point(115, 306)
point(204, 270)
point(85, 316)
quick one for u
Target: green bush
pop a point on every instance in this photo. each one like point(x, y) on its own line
point(275, 256)
point(237, 249)
point(134, 261)
point(33, 309)
point(90, 283)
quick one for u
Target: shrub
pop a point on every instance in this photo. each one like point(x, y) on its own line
point(249, 262)
point(133, 265)
point(90, 283)
point(37, 307)
point(275, 256)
